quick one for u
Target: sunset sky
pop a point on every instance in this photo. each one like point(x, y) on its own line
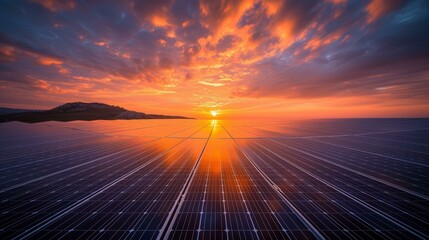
point(278, 59)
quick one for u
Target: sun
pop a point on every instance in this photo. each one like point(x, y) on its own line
point(213, 113)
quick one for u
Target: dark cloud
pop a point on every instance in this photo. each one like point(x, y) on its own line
point(186, 10)
point(165, 62)
point(257, 19)
point(225, 43)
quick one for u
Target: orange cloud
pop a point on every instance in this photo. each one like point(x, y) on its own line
point(101, 43)
point(375, 9)
point(42, 84)
point(64, 70)
point(318, 42)
point(338, 2)
point(378, 8)
point(272, 6)
point(284, 31)
point(159, 21)
point(7, 53)
point(213, 84)
point(48, 61)
point(222, 17)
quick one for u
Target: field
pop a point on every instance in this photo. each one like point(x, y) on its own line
point(215, 179)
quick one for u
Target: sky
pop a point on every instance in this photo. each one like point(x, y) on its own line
point(240, 58)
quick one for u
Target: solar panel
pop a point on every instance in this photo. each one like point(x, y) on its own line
point(196, 179)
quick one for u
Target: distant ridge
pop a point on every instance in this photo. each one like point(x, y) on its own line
point(81, 111)
point(5, 111)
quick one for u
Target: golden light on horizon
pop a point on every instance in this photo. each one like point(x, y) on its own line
point(213, 113)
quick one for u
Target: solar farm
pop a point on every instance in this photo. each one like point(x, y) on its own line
point(215, 179)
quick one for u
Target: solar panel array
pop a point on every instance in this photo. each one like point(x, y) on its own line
point(198, 179)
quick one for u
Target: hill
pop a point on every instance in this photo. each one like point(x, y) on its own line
point(81, 111)
point(5, 111)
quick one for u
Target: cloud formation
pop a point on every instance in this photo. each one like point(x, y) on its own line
point(200, 55)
